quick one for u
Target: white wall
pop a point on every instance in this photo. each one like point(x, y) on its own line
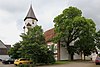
point(63, 53)
point(93, 55)
point(29, 20)
point(76, 56)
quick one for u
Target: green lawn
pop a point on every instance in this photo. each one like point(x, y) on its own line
point(62, 62)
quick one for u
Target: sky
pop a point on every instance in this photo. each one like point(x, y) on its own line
point(13, 12)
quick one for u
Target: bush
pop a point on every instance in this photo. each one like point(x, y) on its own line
point(26, 65)
point(48, 58)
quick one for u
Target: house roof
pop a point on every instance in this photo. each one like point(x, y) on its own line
point(49, 34)
point(31, 14)
point(8, 46)
point(2, 45)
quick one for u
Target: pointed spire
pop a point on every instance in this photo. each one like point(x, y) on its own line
point(31, 14)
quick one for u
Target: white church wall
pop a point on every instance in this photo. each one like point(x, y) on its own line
point(31, 21)
point(76, 56)
point(93, 55)
point(63, 53)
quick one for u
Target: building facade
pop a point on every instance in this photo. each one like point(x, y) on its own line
point(4, 50)
point(60, 52)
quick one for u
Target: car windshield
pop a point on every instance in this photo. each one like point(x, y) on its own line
point(98, 58)
point(23, 59)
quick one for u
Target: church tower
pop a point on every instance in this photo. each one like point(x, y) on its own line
point(30, 20)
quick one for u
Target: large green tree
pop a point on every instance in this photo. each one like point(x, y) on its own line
point(70, 25)
point(35, 47)
point(86, 42)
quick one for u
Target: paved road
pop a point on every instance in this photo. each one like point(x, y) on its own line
point(75, 64)
point(71, 64)
point(6, 65)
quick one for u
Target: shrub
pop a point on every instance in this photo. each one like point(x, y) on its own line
point(26, 65)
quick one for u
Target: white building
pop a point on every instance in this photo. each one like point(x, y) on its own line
point(30, 19)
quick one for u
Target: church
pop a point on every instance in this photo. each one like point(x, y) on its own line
point(60, 52)
point(30, 19)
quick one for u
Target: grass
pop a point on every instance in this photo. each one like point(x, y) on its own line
point(61, 62)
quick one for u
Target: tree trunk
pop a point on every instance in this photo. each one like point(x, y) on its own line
point(72, 57)
point(81, 55)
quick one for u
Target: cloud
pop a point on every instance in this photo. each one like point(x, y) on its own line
point(46, 10)
point(13, 12)
point(13, 5)
point(9, 33)
point(90, 9)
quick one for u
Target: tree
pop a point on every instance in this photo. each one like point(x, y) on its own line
point(86, 43)
point(97, 39)
point(33, 35)
point(14, 51)
point(34, 46)
point(70, 26)
point(85, 46)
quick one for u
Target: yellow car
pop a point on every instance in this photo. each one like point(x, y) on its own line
point(22, 61)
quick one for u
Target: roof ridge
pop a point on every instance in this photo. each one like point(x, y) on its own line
point(2, 45)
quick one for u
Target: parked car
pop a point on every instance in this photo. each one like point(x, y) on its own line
point(97, 60)
point(22, 61)
point(8, 61)
point(0, 59)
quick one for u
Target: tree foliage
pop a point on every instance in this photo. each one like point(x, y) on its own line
point(14, 51)
point(33, 46)
point(97, 39)
point(71, 26)
point(86, 42)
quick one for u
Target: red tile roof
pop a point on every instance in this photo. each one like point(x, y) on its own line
point(49, 34)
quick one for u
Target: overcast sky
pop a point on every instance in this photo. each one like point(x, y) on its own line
point(13, 12)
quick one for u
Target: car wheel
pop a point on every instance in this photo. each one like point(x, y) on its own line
point(96, 63)
point(20, 63)
point(15, 64)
